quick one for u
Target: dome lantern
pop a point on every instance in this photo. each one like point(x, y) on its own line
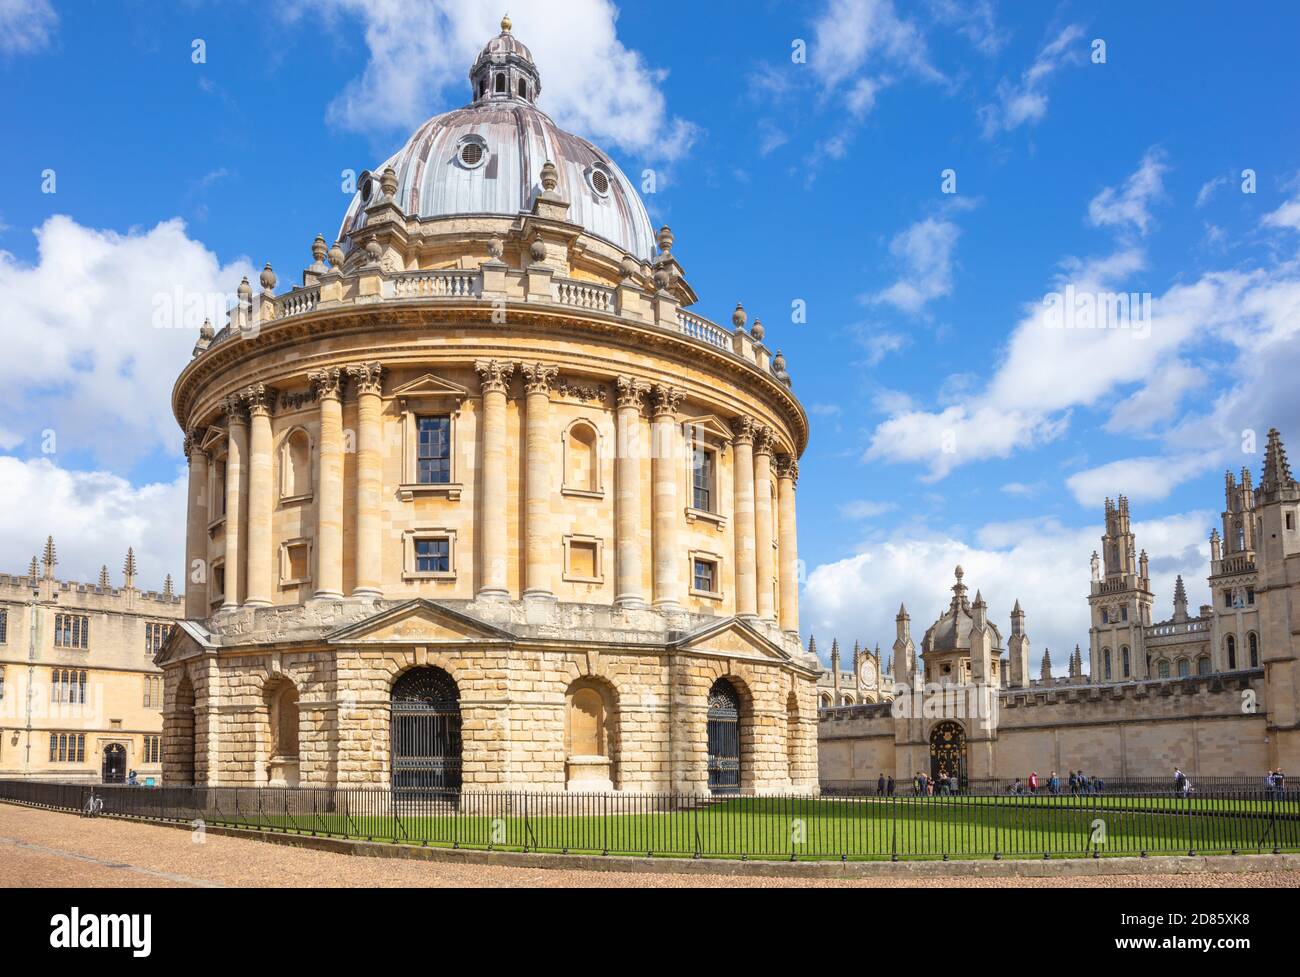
point(505, 69)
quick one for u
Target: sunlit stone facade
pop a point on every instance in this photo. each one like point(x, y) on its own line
point(484, 461)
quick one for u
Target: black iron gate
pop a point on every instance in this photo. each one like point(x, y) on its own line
point(724, 738)
point(426, 731)
point(948, 755)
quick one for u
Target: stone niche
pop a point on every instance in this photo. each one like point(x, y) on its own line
point(588, 728)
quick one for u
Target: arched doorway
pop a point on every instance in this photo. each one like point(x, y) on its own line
point(724, 738)
point(426, 731)
point(948, 752)
point(114, 767)
point(179, 741)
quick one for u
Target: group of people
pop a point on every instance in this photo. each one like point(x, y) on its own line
point(1276, 781)
point(1078, 783)
point(923, 785)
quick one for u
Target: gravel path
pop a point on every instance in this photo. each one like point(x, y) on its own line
point(45, 848)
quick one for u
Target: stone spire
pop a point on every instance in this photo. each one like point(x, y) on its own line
point(1018, 650)
point(1180, 600)
point(168, 587)
point(835, 668)
point(1277, 471)
point(104, 583)
point(959, 589)
point(905, 671)
point(1045, 673)
point(1076, 663)
point(34, 572)
point(129, 568)
point(49, 557)
point(812, 645)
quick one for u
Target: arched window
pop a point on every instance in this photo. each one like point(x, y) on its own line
point(1126, 661)
point(1105, 662)
point(501, 84)
point(826, 700)
point(523, 88)
point(1203, 665)
point(581, 458)
point(1253, 641)
point(1162, 668)
point(1184, 668)
point(1231, 645)
point(295, 465)
point(178, 736)
point(482, 86)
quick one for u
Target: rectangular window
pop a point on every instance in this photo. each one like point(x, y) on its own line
point(155, 636)
point(1227, 599)
point(219, 580)
point(704, 574)
point(297, 561)
point(433, 450)
point(1290, 520)
point(54, 747)
point(1123, 613)
point(702, 480)
point(433, 555)
point(2, 683)
point(4, 627)
point(1105, 616)
point(1250, 596)
point(71, 631)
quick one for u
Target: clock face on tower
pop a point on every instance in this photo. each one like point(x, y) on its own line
point(867, 672)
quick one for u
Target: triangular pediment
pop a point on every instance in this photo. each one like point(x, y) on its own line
point(732, 637)
point(214, 440)
point(709, 426)
point(421, 622)
point(429, 386)
point(187, 639)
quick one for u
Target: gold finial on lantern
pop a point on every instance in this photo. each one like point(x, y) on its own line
point(505, 24)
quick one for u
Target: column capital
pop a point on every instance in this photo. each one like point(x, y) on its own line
point(744, 427)
point(494, 375)
point(538, 377)
point(260, 399)
point(194, 443)
point(665, 399)
point(631, 392)
point(368, 378)
point(764, 440)
point(328, 383)
point(787, 467)
point(236, 410)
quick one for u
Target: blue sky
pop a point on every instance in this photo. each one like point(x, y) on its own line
point(950, 424)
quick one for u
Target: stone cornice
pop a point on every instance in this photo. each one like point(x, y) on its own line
point(338, 321)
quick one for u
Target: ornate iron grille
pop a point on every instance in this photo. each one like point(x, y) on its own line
point(724, 738)
point(426, 731)
point(114, 766)
point(948, 752)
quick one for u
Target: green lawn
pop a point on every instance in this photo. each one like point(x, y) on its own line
point(859, 828)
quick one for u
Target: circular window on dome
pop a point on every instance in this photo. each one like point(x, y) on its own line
point(599, 179)
point(471, 152)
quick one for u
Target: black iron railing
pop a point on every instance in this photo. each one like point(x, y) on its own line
point(1200, 786)
point(904, 826)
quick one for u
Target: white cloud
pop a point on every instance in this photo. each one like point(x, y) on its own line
point(861, 509)
point(88, 347)
point(925, 251)
point(26, 26)
point(851, 35)
point(1039, 562)
point(1120, 208)
point(421, 52)
point(1209, 188)
point(94, 516)
point(1157, 400)
point(976, 20)
point(1025, 102)
point(1141, 479)
point(1288, 215)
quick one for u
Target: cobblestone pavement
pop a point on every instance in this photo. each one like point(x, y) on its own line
point(46, 848)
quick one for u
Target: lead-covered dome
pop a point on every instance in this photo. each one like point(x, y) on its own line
point(487, 158)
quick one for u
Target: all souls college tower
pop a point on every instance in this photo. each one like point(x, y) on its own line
point(481, 503)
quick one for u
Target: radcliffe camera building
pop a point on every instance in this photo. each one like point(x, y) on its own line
point(481, 503)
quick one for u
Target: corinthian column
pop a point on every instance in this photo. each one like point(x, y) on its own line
point(665, 473)
point(743, 466)
point(260, 399)
point(787, 476)
point(627, 491)
point(369, 381)
point(494, 378)
point(236, 497)
point(196, 530)
point(328, 385)
point(540, 548)
point(764, 564)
